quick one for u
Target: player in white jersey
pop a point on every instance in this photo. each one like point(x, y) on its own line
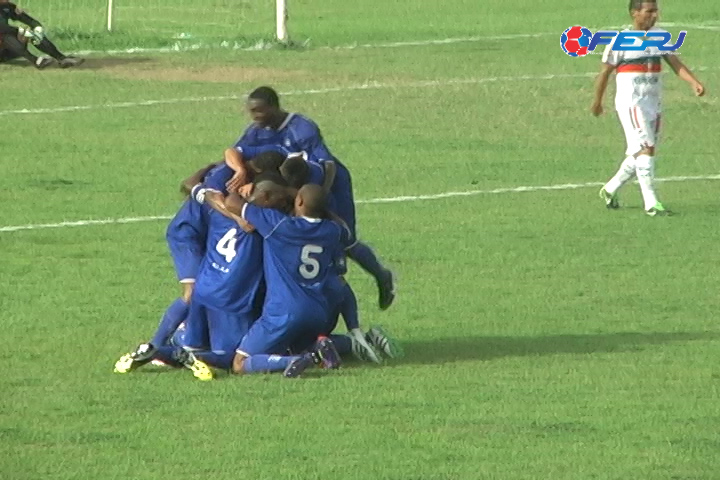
point(637, 101)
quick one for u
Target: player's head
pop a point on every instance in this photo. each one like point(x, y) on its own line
point(310, 202)
point(267, 162)
point(271, 191)
point(644, 13)
point(263, 104)
point(295, 171)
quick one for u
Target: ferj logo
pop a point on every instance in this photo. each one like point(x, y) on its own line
point(578, 41)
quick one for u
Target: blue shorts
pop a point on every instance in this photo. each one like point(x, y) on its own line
point(342, 196)
point(276, 334)
point(207, 328)
point(187, 257)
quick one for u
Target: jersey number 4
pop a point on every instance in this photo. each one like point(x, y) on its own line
point(310, 267)
point(226, 245)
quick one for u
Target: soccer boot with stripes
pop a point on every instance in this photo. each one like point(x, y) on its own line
point(610, 199)
point(131, 361)
point(361, 348)
point(379, 339)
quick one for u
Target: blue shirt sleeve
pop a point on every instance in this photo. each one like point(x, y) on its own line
point(311, 141)
point(265, 220)
point(217, 178)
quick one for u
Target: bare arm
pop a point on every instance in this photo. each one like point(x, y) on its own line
point(197, 177)
point(684, 72)
point(330, 171)
point(234, 160)
point(601, 83)
point(217, 201)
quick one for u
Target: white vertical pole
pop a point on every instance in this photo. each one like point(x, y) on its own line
point(110, 16)
point(281, 20)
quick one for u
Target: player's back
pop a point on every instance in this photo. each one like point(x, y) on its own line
point(299, 257)
point(231, 274)
point(189, 224)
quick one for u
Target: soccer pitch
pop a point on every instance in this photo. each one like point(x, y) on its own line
point(545, 337)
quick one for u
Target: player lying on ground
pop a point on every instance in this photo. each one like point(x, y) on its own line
point(14, 40)
point(274, 127)
point(637, 101)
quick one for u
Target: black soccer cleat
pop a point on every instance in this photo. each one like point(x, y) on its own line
point(386, 289)
point(299, 365)
point(325, 354)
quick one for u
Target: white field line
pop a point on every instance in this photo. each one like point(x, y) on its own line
point(265, 45)
point(369, 201)
point(348, 88)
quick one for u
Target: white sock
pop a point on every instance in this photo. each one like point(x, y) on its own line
point(624, 173)
point(645, 169)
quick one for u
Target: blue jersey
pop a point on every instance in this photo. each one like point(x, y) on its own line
point(189, 225)
point(296, 134)
point(299, 258)
point(231, 274)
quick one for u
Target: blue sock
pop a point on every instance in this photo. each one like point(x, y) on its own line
point(349, 308)
point(174, 316)
point(166, 354)
point(366, 258)
point(343, 344)
point(218, 360)
point(266, 363)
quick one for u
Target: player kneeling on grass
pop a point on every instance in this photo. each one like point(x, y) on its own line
point(637, 101)
point(14, 40)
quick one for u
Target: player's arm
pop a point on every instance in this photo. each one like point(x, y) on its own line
point(601, 83)
point(330, 170)
point(20, 15)
point(234, 160)
point(682, 71)
point(216, 200)
point(187, 185)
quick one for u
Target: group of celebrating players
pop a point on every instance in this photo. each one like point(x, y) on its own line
point(259, 248)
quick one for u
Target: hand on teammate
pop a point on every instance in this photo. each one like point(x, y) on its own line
point(237, 181)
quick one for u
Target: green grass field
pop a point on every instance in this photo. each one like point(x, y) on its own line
point(546, 337)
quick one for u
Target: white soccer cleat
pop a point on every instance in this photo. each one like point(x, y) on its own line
point(361, 349)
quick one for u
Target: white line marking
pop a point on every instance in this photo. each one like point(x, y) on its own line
point(266, 45)
point(369, 201)
point(348, 88)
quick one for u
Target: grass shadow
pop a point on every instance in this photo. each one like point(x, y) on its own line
point(448, 350)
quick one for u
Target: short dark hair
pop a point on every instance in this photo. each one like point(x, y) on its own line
point(267, 95)
point(636, 4)
point(269, 161)
point(296, 171)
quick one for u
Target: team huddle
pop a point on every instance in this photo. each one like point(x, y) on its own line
point(260, 248)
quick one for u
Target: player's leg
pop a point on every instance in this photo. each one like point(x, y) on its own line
point(261, 350)
point(187, 257)
point(49, 48)
point(226, 329)
point(13, 47)
point(647, 123)
point(609, 192)
point(360, 252)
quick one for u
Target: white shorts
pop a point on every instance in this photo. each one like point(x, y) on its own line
point(641, 126)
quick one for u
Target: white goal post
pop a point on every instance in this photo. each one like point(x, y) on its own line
point(281, 18)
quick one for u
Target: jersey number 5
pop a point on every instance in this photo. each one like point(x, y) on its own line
point(310, 267)
point(226, 245)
